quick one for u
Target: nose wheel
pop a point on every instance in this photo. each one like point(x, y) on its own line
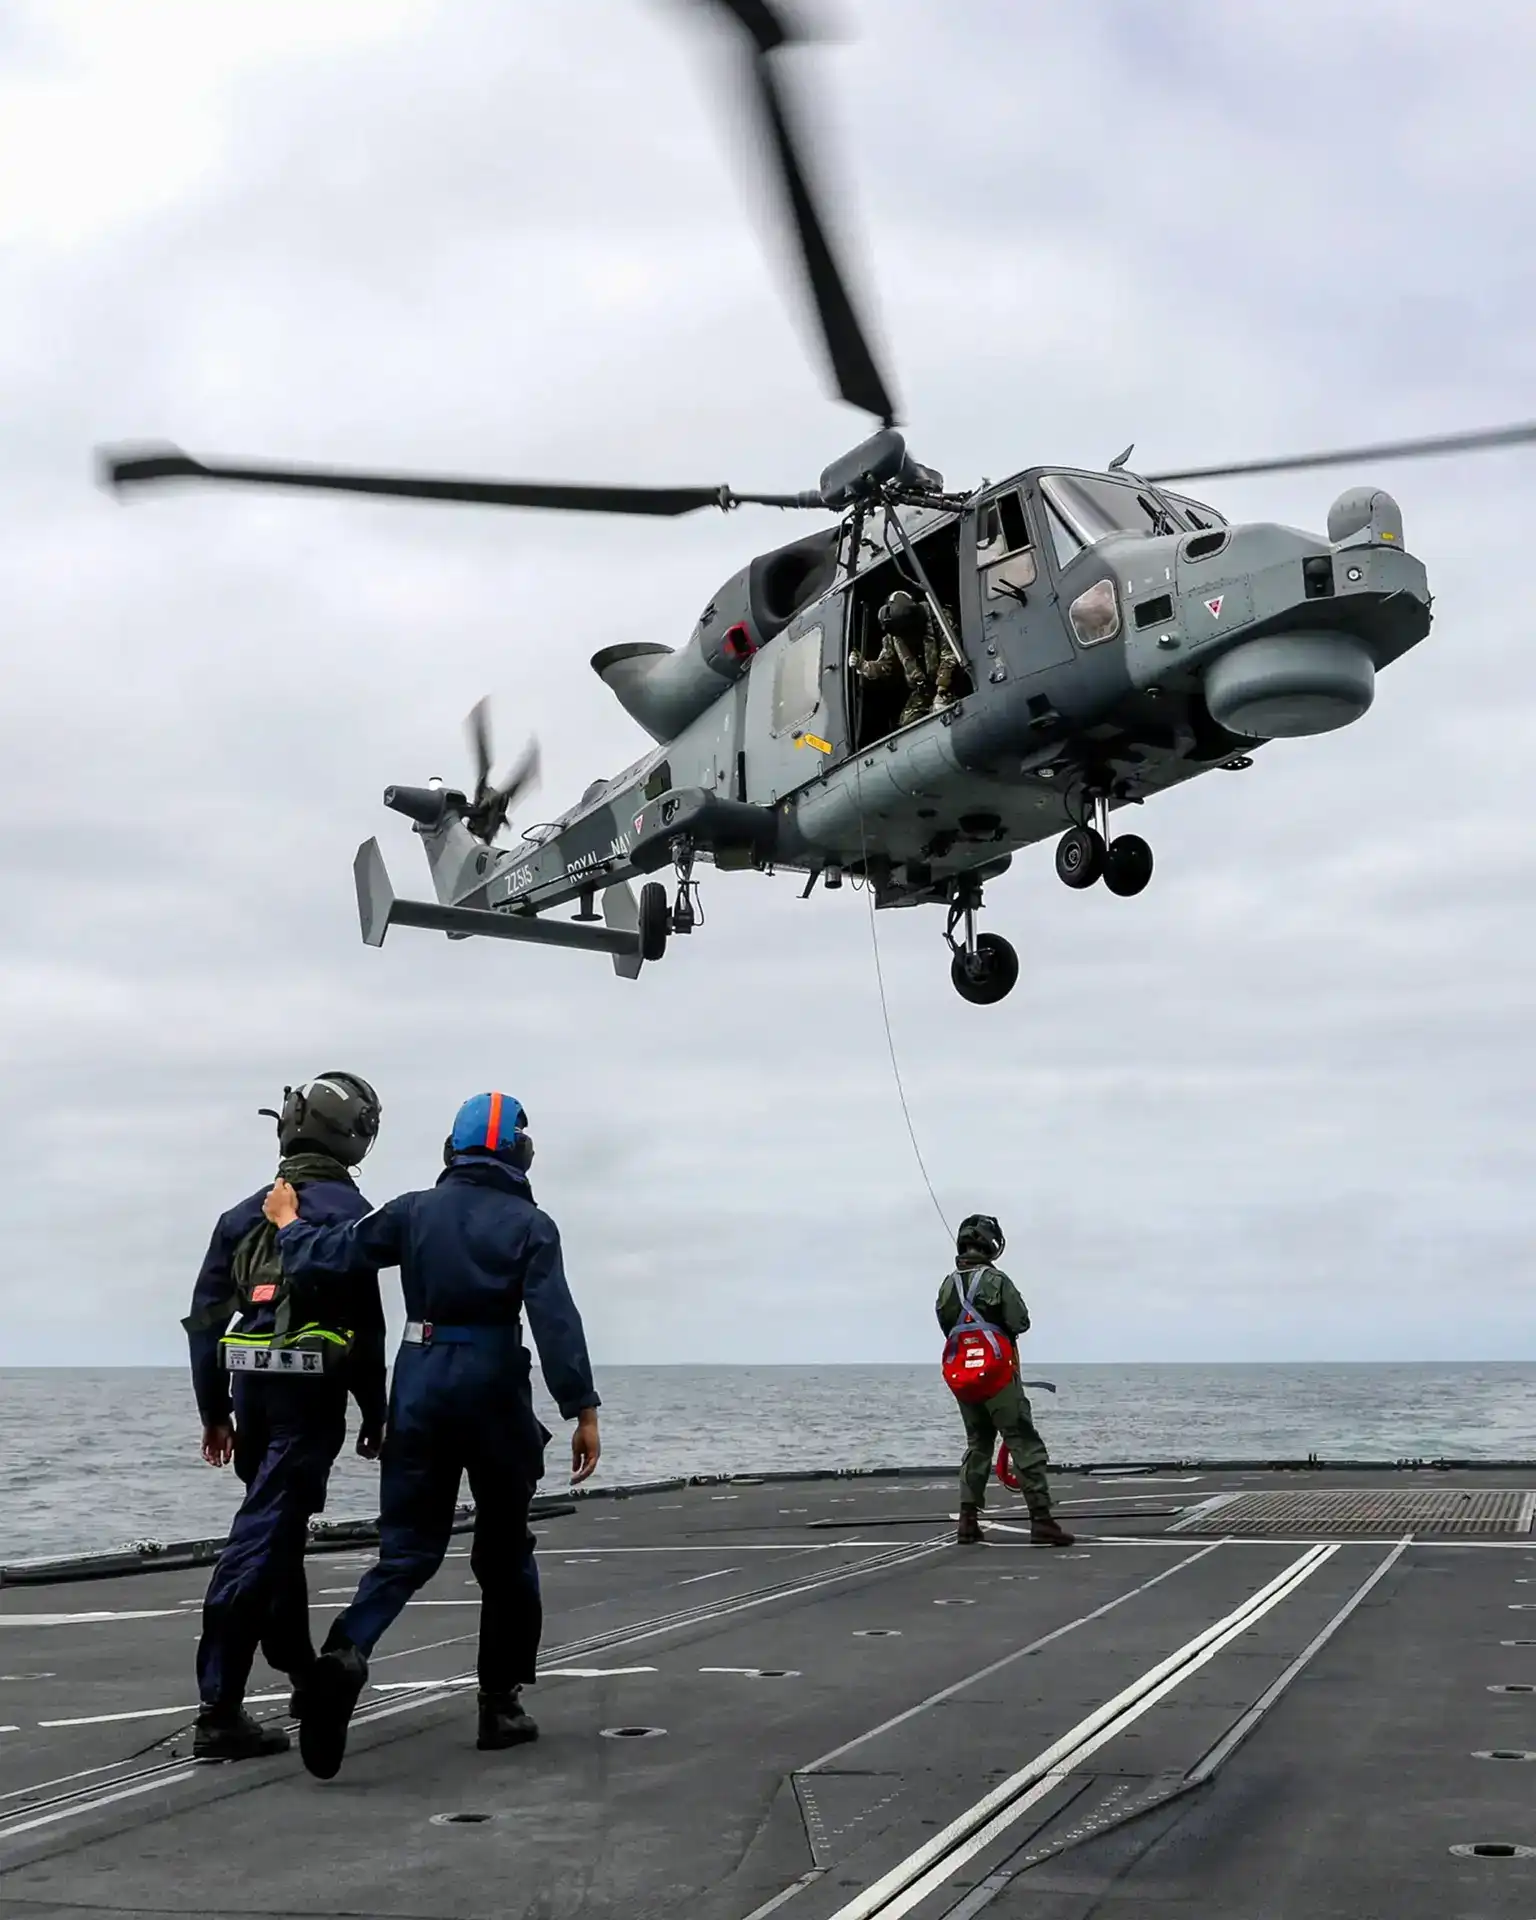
point(985, 967)
point(1086, 854)
point(1080, 857)
point(1127, 865)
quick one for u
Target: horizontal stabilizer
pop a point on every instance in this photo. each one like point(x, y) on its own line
point(378, 909)
point(512, 926)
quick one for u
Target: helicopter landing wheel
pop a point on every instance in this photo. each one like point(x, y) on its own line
point(1127, 865)
point(986, 975)
point(1080, 857)
point(655, 920)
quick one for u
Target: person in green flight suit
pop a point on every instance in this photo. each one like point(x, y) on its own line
point(998, 1302)
point(913, 649)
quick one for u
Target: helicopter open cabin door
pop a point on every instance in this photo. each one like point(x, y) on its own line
point(794, 719)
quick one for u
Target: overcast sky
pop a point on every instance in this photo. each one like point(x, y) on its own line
point(1279, 1107)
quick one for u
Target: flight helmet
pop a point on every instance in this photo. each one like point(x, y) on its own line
point(979, 1235)
point(336, 1113)
point(494, 1124)
point(898, 611)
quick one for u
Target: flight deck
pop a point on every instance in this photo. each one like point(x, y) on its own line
point(1244, 1692)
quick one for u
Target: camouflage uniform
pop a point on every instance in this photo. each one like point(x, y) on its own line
point(912, 645)
point(998, 1302)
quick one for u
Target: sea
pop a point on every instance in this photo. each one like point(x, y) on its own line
point(96, 1459)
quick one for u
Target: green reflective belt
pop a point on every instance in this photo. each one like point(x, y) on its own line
point(308, 1350)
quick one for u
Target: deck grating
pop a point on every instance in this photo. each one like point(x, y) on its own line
point(1350, 1510)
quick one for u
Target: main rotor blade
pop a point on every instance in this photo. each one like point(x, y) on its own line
point(859, 380)
point(478, 727)
point(1389, 450)
point(123, 469)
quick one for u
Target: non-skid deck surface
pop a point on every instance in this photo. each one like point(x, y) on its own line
point(747, 1710)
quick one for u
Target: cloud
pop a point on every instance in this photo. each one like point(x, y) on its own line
point(1275, 1107)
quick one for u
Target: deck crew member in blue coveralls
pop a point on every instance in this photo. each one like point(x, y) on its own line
point(473, 1251)
point(272, 1394)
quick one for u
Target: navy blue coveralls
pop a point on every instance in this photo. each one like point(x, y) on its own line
point(287, 1436)
point(473, 1252)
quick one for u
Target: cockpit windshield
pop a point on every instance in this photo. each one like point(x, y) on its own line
point(1095, 507)
point(1200, 517)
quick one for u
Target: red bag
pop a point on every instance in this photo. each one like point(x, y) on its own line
point(978, 1359)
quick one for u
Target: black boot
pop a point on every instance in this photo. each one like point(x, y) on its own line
point(224, 1733)
point(503, 1722)
point(297, 1683)
point(1046, 1532)
point(969, 1533)
point(325, 1701)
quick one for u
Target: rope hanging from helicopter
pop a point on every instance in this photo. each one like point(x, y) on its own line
point(885, 1011)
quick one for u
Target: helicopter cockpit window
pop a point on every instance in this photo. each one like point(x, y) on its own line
point(1199, 516)
point(797, 681)
point(1063, 539)
point(1001, 529)
point(1097, 508)
point(1004, 549)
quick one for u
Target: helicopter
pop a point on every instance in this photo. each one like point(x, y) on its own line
point(1105, 636)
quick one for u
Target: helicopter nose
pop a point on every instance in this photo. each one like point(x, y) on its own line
point(1285, 686)
point(1284, 631)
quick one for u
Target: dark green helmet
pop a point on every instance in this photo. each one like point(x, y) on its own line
point(979, 1234)
point(899, 610)
point(336, 1113)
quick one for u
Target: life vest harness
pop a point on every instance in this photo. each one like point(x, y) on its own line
point(259, 1281)
point(979, 1359)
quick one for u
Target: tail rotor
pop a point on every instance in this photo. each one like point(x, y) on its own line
point(486, 815)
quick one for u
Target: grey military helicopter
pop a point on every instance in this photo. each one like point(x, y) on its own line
point(1109, 637)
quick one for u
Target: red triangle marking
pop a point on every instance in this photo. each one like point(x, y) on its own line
point(1213, 607)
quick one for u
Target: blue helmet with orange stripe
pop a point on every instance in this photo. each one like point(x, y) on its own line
point(494, 1124)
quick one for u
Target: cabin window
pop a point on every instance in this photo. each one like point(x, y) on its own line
point(1001, 528)
point(797, 681)
point(1007, 579)
point(1005, 547)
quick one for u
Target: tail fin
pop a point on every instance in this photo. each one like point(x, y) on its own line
point(621, 912)
point(375, 895)
point(457, 859)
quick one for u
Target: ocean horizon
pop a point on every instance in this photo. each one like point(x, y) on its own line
point(93, 1457)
